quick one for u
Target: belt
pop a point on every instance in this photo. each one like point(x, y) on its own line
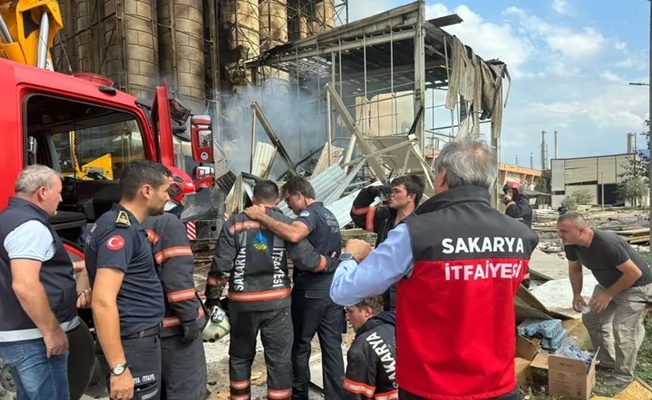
point(147, 332)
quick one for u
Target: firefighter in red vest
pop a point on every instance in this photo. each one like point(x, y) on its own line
point(182, 351)
point(458, 263)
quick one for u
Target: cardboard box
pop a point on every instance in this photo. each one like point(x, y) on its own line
point(567, 377)
point(523, 372)
point(526, 350)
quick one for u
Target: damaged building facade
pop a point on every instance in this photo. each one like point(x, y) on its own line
point(374, 98)
point(292, 87)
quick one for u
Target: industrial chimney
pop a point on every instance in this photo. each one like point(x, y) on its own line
point(532, 160)
point(544, 151)
point(631, 143)
point(517, 160)
point(556, 145)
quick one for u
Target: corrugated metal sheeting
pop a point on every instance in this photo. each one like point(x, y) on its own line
point(263, 159)
point(342, 207)
point(329, 186)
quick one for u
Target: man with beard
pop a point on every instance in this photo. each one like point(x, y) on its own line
point(128, 302)
point(313, 312)
point(403, 196)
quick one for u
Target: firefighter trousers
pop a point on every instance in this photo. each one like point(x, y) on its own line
point(144, 359)
point(313, 311)
point(275, 328)
point(183, 369)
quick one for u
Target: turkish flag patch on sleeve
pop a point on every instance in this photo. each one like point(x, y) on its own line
point(115, 242)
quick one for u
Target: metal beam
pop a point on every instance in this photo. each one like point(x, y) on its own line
point(258, 113)
point(320, 51)
point(344, 114)
point(427, 168)
point(420, 72)
point(393, 147)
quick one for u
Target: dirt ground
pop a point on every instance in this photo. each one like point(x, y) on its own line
point(217, 360)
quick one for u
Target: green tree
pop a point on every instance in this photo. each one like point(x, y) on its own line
point(580, 197)
point(634, 189)
point(638, 167)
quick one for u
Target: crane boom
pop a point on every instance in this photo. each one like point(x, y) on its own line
point(27, 30)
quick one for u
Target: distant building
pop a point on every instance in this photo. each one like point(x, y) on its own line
point(528, 177)
point(592, 174)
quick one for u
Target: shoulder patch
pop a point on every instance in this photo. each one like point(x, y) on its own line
point(304, 214)
point(115, 242)
point(123, 219)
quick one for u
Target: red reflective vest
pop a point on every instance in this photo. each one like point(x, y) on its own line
point(455, 325)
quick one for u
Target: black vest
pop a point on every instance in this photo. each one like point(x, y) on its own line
point(56, 275)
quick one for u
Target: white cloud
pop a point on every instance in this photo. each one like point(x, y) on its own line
point(359, 9)
point(567, 42)
point(561, 6)
point(572, 78)
point(488, 40)
point(577, 45)
point(620, 45)
point(610, 76)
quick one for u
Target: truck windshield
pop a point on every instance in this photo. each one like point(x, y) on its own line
point(85, 153)
point(82, 140)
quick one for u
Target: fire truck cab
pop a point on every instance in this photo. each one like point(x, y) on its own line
point(66, 121)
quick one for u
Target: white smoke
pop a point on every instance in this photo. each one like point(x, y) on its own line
point(297, 116)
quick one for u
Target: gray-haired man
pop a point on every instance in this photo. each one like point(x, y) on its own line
point(38, 288)
point(458, 263)
point(615, 323)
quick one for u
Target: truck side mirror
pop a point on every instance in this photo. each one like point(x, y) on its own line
point(201, 138)
point(203, 177)
point(200, 172)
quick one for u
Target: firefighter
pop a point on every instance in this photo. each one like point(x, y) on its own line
point(128, 304)
point(403, 196)
point(183, 367)
point(371, 367)
point(518, 207)
point(516, 203)
point(459, 264)
point(312, 309)
point(254, 262)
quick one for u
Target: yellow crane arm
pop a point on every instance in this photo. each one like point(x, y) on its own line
point(27, 30)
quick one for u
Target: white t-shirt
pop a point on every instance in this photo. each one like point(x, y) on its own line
point(30, 241)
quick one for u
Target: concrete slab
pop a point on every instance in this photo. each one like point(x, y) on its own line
point(557, 295)
point(550, 266)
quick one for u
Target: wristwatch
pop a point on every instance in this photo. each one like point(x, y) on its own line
point(347, 257)
point(119, 369)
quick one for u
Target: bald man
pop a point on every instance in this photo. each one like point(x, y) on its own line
point(615, 323)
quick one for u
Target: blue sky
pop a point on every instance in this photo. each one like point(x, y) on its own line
point(570, 62)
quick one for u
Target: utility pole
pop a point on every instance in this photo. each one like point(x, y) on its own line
point(602, 191)
point(649, 145)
